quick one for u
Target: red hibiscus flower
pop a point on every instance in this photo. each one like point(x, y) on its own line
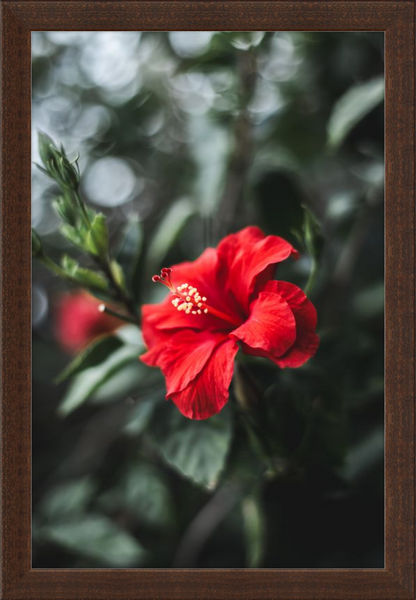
point(78, 321)
point(223, 300)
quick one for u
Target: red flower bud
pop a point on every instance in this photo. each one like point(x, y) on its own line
point(78, 321)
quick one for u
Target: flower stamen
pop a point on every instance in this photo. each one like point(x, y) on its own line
point(188, 299)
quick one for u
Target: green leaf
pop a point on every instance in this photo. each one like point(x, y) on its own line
point(97, 538)
point(312, 233)
point(355, 104)
point(97, 237)
point(254, 530)
point(73, 236)
point(142, 413)
point(68, 499)
point(65, 210)
point(69, 264)
point(84, 277)
point(197, 449)
point(363, 457)
point(36, 244)
point(93, 355)
point(46, 146)
point(129, 252)
point(89, 381)
point(118, 274)
point(167, 233)
point(89, 278)
point(144, 493)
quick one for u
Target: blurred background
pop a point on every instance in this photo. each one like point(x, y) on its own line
point(184, 137)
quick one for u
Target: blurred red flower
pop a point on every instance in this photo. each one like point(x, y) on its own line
point(78, 321)
point(224, 298)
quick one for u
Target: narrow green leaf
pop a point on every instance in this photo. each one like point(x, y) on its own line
point(254, 530)
point(355, 104)
point(118, 274)
point(89, 381)
point(197, 449)
point(46, 146)
point(97, 237)
point(94, 354)
point(129, 252)
point(65, 210)
point(167, 233)
point(36, 244)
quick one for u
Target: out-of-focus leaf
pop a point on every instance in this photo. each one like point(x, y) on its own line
point(355, 104)
point(211, 145)
point(129, 251)
point(197, 449)
point(90, 380)
point(254, 530)
point(66, 210)
point(89, 278)
point(123, 385)
point(84, 277)
point(324, 441)
point(68, 499)
point(97, 538)
point(364, 455)
point(94, 354)
point(73, 236)
point(142, 413)
point(144, 494)
point(118, 274)
point(167, 232)
point(36, 244)
point(278, 200)
point(312, 233)
point(369, 303)
point(97, 237)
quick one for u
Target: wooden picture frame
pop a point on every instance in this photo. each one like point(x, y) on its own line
point(397, 579)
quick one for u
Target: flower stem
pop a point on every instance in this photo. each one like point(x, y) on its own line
point(248, 396)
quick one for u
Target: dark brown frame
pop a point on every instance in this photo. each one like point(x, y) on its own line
point(397, 20)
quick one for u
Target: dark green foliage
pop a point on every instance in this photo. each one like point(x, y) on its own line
point(177, 141)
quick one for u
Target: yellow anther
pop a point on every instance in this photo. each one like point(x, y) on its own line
point(199, 304)
point(205, 310)
point(188, 311)
point(193, 312)
point(204, 299)
point(188, 298)
point(199, 312)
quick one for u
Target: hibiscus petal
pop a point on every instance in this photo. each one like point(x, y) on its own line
point(183, 356)
point(245, 260)
point(157, 319)
point(307, 341)
point(208, 392)
point(271, 326)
